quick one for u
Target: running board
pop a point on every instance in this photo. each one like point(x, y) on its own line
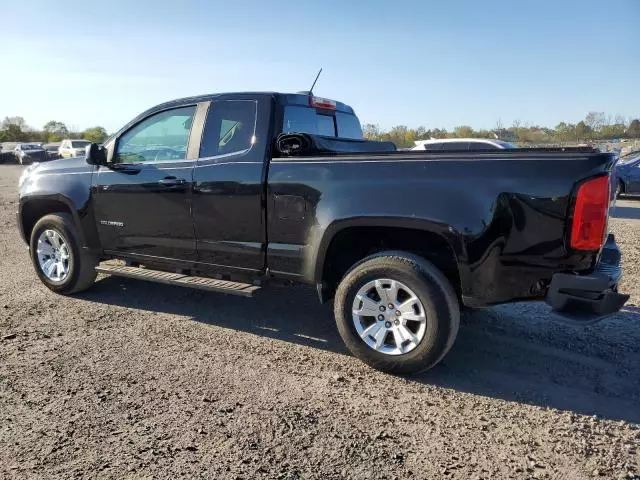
point(201, 283)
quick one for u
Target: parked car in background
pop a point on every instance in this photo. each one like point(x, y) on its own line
point(73, 148)
point(7, 152)
point(628, 174)
point(52, 150)
point(27, 153)
point(457, 144)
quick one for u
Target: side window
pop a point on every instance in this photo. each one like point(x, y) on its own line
point(230, 127)
point(163, 136)
point(433, 147)
point(451, 146)
point(481, 147)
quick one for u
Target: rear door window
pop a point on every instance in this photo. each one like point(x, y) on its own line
point(230, 128)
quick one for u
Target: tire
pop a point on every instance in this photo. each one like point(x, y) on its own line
point(620, 189)
point(81, 264)
point(437, 298)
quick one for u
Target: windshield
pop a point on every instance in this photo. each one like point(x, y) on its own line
point(308, 120)
point(31, 146)
point(79, 143)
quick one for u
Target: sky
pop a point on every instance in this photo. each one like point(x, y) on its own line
point(431, 63)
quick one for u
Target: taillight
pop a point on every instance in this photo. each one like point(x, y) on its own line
point(590, 214)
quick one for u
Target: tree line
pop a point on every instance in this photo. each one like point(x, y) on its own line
point(15, 129)
point(595, 127)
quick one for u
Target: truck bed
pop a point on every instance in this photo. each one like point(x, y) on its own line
point(504, 214)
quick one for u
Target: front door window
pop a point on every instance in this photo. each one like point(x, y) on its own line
point(161, 137)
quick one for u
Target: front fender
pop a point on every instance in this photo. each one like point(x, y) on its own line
point(46, 204)
point(60, 183)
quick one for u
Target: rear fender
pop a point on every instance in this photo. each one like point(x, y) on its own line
point(321, 241)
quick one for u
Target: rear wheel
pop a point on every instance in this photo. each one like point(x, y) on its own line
point(60, 262)
point(397, 312)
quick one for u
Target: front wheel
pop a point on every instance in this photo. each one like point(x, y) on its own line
point(397, 312)
point(60, 262)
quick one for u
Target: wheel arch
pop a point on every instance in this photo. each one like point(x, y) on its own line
point(33, 208)
point(346, 242)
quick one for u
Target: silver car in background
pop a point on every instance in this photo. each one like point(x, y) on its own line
point(28, 153)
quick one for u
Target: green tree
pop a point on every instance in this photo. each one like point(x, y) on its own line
point(582, 131)
point(615, 130)
point(371, 131)
point(400, 136)
point(633, 131)
point(13, 133)
point(438, 133)
point(54, 131)
point(463, 131)
point(595, 121)
point(95, 134)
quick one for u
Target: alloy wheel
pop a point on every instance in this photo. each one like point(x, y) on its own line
point(53, 255)
point(389, 316)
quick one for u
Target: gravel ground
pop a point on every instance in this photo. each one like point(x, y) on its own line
point(138, 380)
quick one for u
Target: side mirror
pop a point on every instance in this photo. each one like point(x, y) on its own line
point(96, 155)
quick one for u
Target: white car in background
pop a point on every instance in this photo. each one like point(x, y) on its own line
point(73, 148)
point(457, 144)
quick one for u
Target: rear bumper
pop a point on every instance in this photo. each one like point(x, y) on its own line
point(588, 298)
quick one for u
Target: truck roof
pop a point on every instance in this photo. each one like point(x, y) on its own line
point(301, 99)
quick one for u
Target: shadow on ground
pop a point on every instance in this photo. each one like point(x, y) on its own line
point(501, 355)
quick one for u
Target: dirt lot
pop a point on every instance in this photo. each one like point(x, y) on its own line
point(137, 380)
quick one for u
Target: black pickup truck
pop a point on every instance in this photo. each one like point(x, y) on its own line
point(231, 192)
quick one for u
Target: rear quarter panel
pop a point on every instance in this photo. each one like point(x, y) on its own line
point(504, 215)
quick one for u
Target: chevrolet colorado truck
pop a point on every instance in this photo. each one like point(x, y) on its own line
point(231, 192)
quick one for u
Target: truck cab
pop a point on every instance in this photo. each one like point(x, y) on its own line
point(185, 181)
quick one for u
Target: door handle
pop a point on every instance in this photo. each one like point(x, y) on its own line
point(172, 181)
